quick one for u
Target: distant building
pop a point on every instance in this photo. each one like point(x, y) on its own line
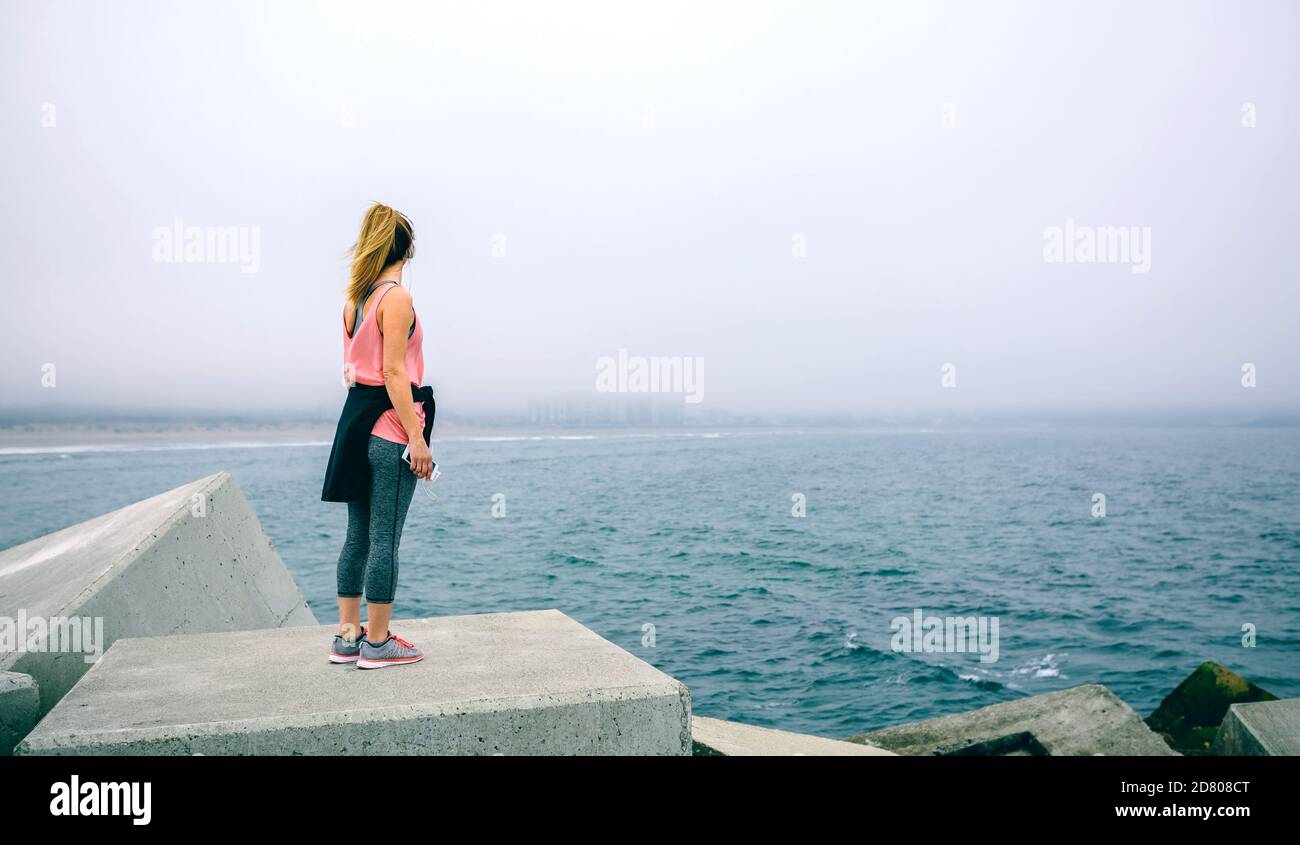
point(607, 410)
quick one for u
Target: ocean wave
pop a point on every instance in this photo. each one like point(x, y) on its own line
point(1047, 666)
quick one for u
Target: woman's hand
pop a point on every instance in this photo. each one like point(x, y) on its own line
point(421, 458)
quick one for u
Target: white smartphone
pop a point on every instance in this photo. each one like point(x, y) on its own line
point(434, 473)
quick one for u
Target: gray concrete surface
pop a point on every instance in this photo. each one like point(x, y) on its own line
point(504, 683)
point(718, 738)
point(194, 559)
point(1263, 729)
point(1085, 720)
point(20, 705)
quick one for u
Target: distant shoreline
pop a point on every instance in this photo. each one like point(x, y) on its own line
point(45, 438)
point(55, 438)
point(34, 438)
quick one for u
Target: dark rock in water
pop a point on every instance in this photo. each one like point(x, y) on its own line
point(1190, 716)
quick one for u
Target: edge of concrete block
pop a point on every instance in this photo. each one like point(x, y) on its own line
point(721, 738)
point(20, 704)
point(1083, 720)
point(1241, 735)
point(534, 717)
point(229, 575)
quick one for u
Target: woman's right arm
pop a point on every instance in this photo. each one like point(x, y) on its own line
point(395, 316)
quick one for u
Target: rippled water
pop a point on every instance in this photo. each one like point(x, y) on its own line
point(785, 621)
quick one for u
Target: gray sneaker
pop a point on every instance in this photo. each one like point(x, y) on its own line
point(345, 650)
point(393, 651)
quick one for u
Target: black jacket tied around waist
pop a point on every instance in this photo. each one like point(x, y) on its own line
point(347, 475)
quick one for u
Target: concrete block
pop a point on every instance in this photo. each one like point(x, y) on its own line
point(717, 738)
point(1086, 720)
point(194, 559)
point(1262, 729)
point(1189, 717)
point(20, 704)
point(502, 683)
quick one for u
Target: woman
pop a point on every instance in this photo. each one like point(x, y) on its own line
point(386, 410)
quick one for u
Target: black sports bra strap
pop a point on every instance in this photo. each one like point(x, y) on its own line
point(356, 324)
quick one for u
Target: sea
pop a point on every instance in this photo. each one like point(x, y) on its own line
point(771, 571)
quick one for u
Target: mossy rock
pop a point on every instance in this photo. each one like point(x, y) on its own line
point(1189, 717)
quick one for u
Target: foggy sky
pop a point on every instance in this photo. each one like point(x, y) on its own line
point(652, 168)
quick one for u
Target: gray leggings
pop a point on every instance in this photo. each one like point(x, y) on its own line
point(375, 526)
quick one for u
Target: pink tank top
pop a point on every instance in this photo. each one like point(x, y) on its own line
point(363, 358)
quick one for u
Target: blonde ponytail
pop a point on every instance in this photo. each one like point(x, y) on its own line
point(386, 238)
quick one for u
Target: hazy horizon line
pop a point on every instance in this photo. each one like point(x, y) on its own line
point(1190, 415)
